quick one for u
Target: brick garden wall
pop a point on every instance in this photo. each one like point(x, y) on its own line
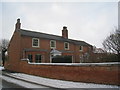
point(104, 74)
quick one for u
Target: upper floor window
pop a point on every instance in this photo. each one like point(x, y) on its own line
point(35, 42)
point(81, 48)
point(66, 46)
point(52, 44)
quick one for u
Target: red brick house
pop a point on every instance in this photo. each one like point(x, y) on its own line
point(40, 47)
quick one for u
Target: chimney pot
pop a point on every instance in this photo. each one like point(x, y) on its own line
point(64, 27)
point(18, 20)
point(18, 24)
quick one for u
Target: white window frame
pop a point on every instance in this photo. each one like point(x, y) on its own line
point(64, 46)
point(38, 42)
point(54, 42)
point(81, 48)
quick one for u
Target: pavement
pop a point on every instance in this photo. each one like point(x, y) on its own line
point(56, 84)
point(6, 84)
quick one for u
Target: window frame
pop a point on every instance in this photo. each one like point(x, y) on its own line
point(65, 45)
point(33, 42)
point(40, 61)
point(54, 43)
point(81, 48)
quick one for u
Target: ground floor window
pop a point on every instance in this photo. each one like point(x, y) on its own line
point(38, 58)
point(30, 57)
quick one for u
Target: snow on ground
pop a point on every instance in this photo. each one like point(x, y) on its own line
point(78, 64)
point(21, 83)
point(1, 68)
point(60, 83)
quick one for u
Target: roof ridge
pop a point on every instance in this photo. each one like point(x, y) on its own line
point(50, 34)
point(40, 32)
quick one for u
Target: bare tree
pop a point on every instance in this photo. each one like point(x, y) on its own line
point(98, 50)
point(3, 48)
point(112, 42)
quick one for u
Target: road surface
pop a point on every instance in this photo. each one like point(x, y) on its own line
point(6, 84)
point(9, 82)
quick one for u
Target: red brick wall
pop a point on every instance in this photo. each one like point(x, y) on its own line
point(26, 42)
point(14, 52)
point(105, 74)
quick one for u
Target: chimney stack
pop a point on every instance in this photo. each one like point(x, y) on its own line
point(18, 24)
point(65, 32)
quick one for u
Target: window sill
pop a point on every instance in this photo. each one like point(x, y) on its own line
point(35, 46)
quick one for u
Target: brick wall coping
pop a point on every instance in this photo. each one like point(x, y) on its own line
point(78, 64)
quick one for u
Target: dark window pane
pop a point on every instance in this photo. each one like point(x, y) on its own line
point(80, 48)
point(52, 44)
point(66, 46)
point(35, 42)
point(30, 58)
point(38, 58)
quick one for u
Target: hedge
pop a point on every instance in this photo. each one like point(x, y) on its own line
point(62, 59)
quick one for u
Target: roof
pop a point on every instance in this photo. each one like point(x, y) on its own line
point(44, 50)
point(55, 52)
point(37, 50)
point(51, 37)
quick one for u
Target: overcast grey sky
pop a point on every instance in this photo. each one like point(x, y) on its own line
point(87, 21)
